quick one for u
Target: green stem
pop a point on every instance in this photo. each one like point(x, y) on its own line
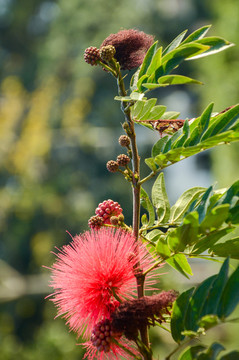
point(150, 176)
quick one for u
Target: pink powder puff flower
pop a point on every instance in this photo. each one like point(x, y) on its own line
point(94, 270)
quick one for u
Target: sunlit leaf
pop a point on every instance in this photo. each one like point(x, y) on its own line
point(216, 44)
point(198, 34)
point(177, 80)
point(182, 204)
point(147, 59)
point(208, 321)
point(179, 262)
point(228, 248)
point(160, 199)
point(175, 43)
point(146, 203)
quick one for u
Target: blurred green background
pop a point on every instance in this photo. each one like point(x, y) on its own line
point(59, 126)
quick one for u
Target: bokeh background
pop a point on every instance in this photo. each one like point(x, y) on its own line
point(59, 126)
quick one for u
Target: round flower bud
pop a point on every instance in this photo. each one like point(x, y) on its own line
point(92, 55)
point(107, 209)
point(112, 166)
point(124, 140)
point(95, 222)
point(121, 217)
point(107, 52)
point(114, 220)
point(102, 335)
point(123, 160)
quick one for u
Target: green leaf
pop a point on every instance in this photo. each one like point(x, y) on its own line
point(155, 113)
point(178, 315)
point(184, 235)
point(140, 82)
point(208, 321)
point(204, 203)
point(228, 248)
point(155, 63)
point(146, 203)
point(162, 248)
point(215, 218)
point(175, 43)
point(191, 352)
point(212, 352)
point(151, 164)
point(160, 199)
point(205, 118)
point(137, 108)
point(137, 96)
point(222, 122)
point(230, 296)
point(178, 55)
point(177, 80)
point(233, 355)
point(170, 115)
point(152, 86)
point(144, 220)
point(123, 98)
point(147, 60)
point(185, 200)
point(159, 146)
point(148, 105)
point(209, 240)
point(179, 146)
point(198, 34)
point(179, 262)
point(215, 44)
point(197, 302)
point(213, 298)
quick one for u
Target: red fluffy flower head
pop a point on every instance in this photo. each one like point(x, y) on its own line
point(92, 272)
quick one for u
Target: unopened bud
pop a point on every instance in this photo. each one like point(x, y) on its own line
point(112, 166)
point(114, 220)
point(92, 55)
point(123, 160)
point(124, 140)
point(107, 52)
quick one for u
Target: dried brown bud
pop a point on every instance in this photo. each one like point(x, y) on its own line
point(112, 166)
point(131, 47)
point(114, 220)
point(123, 160)
point(92, 55)
point(124, 140)
point(107, 52)
point(132, 315)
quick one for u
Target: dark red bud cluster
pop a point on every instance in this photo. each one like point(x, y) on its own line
point(101, 336)
point(107, 209)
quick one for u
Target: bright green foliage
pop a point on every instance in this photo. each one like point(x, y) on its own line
point(157, 64)
point(207, 305)
point(198, 220)
point(195, 136)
